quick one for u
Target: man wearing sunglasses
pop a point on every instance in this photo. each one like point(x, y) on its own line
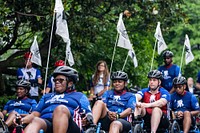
point(60, 112)
point(116, 106)
point(184, 104)
point(169, 71)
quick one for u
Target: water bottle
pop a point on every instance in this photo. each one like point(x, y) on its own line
point(41, 131)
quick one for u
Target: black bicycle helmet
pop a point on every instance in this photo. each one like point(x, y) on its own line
point(119, 75)
point(155, 74)
point(23, 83)
point(167, 54)
point(69, 72)
point(179, 80)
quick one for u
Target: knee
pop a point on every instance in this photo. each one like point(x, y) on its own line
point(187, 114)
point(99, 103)
point(156, 110)
point(36, 120)
point(61, 109)
point(116, 124)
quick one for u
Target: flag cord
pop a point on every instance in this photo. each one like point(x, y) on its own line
point(182, 59)
point(125, 62)
point(154, 49)
point(114, 52)
point(47, 66)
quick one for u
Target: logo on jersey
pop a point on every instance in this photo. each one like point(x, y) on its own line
point(180, 103)
point(57, 99)
point(166, 75)
point(152, 99)
point(17, 104)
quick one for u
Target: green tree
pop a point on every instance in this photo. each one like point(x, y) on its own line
point(92, 28)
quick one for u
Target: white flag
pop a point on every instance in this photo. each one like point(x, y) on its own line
point(123, 40)
point(62, 29)
point(36, 58)
point(61, 23)
point(161, 42)
point(69, 55)
point(131, 53)
point(188, 54)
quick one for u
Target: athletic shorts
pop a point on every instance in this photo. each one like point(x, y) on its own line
point(164, 122)
point(72, 128)
point(105, 124)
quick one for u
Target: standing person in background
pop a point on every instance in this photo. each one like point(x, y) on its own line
point(33, 75)
point(190, 85)
point(169, 71)
point(198, 81)
point(100, 80)
point(51, 84)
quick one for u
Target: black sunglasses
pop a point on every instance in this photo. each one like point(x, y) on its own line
point(59, 80)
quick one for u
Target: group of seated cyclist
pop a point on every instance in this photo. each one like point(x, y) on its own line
point(61, 111)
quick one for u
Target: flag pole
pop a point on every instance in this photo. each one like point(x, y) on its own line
point(125, 62)
point(49, 51)
point(182, 59)
point(154, 49)
point(114, 52)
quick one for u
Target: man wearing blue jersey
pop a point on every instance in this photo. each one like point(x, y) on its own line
point(152, 103)
point(33, 75)
point(169, 71)
point(116, 106)
point(22, 105)
point(59, 112)
point(183, 104)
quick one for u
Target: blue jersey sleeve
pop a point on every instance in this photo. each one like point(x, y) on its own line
point(49, 84)
point(6, 106)
point(85, 105)
point(33, 104)
point(194, 103)
point(131, 102)
point(19, 73)
point(40, 105)
point(165, 94)
point(38, 73)
point(177, 71)
point(141, 92)
point(105, 97)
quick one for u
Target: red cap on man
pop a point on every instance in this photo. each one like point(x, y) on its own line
point(27, 55)
point(59, 63)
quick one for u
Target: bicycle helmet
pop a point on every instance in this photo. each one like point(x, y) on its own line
point(23, 83)
point(59, 63)
point(119, 75)
point(179, 80)
point(27, 55)
point(69, 72)
point(167, 54)
point(155, 74)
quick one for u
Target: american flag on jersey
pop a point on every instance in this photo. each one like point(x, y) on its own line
point(77, 117)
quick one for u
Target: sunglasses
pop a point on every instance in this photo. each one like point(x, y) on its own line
point(59, 80)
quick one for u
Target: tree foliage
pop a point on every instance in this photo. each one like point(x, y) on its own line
point(92, 28)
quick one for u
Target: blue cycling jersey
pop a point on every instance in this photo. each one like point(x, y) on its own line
point(76, 102)
point(169, 73)
point(119, 103)
point(187, 102)
point(23, 106)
